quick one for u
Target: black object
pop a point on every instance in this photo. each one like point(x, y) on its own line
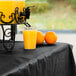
point(46, 60)
point(17, 17)
point(10, 34)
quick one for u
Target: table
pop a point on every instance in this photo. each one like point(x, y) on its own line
point(46, 60)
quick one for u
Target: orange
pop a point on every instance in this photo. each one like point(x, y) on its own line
point(40, 37)
point(50, 37)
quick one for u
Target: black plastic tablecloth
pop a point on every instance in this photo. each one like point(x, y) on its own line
point(46, 60)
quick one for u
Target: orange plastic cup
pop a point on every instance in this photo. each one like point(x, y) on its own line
point(29, 36)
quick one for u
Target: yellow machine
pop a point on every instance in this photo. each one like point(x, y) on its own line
point(12, 12)
point(7, 7)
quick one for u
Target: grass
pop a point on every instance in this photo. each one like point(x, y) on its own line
point(59, 17)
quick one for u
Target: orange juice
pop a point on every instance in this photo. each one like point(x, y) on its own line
point(8, 7)
point(30, 37)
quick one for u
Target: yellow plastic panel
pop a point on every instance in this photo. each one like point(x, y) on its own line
point(8, 7)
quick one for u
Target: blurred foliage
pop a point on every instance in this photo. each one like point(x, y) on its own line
point(35, 0)
point(73, 2)
point(39, 6)
point(61, 16)
point(56, 20)
point(50, 1)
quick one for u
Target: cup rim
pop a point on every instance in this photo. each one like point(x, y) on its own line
point(29, 28)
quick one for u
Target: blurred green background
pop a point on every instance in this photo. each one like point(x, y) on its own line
point(53, 14)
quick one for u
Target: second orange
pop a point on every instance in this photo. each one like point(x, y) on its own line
point(40, 37)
